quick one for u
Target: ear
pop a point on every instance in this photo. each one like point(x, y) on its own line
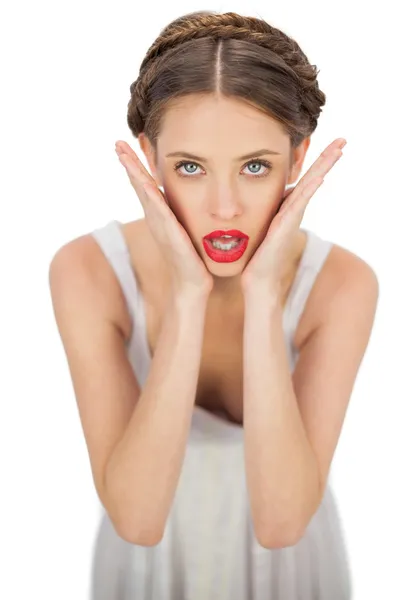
point(297, 160)
point(151, 157)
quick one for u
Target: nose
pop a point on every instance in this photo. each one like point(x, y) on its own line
point(224, 204)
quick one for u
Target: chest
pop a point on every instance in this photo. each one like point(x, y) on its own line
point(220, 382)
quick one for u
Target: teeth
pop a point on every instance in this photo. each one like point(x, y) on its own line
point(224, 246)
point(226, 237)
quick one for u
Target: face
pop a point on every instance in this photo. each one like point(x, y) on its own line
point(207, 181)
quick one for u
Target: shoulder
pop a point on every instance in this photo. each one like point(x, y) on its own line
point(80, 267)
point(351, 276)
point(346, 284)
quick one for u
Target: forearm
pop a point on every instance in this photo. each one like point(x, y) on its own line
point(143, 471)
point(281, 467)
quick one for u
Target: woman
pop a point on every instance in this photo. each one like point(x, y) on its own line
point(213, 345)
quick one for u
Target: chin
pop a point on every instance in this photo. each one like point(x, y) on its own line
point(225, 272)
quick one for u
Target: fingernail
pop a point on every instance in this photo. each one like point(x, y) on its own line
point(342, 144)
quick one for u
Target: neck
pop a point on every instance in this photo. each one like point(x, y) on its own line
point(226, 289)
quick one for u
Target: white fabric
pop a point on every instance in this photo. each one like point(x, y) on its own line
point(209, 550)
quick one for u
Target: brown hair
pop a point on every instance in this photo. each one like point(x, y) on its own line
point(241, 57)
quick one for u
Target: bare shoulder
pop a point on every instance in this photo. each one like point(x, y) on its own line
point(82, 264)
point(350, 274)
point(345, 278)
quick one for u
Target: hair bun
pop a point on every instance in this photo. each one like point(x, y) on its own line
point(252, 49)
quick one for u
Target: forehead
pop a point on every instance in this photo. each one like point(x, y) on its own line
point(208, 122)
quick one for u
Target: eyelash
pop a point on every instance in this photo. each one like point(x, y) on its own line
point(264, 163)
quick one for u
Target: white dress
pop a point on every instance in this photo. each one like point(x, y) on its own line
point(209, 550)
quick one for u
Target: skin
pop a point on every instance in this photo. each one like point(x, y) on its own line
point(223, 192)
point(292, 421)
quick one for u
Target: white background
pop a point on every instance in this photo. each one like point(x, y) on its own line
point(65, 77)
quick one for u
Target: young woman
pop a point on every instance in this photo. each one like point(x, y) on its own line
point(213, 345)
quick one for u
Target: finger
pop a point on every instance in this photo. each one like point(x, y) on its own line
point(134, 164)
point(137, 173)
point(314, 177)
point(325, 161)
point(329, 153)
point(146, 188)
point(319, 169)
point(124, 148)
point(308, 192)
point(136, 179)
point(294, 214)
point(284, 201)
point(121, 146)
point(303, 198)
point(134, 173)
point(310, 189)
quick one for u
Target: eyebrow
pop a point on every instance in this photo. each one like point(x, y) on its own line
point(200, 158)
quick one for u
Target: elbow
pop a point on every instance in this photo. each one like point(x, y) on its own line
point(280, 540)
point(139, 537)
point(135, 531)
point(127, 523)
point(289, 534)
point(140, 540)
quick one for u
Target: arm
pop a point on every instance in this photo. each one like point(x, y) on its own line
point(136, 438)
point(292, 426)
point(281, 468)
point(144, 468)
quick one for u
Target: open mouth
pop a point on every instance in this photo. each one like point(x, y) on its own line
point(225, 243)
point(222, 250)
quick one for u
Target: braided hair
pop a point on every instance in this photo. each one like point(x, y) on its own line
point(229, 54)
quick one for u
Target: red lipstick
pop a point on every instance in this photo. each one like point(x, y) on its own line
point(221, 255)
point(232, 232)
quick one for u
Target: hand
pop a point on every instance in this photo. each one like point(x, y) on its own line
point(270, 259)
point(188, 272)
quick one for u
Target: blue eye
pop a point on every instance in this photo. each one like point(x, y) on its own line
point(183, 164)
point(192, 164)
point(263, 163)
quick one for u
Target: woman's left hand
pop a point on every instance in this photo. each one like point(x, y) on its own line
point(270, 259)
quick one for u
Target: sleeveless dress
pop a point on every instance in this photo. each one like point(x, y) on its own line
point(209, 550)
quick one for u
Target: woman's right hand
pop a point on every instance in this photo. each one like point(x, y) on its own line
point(188, 272)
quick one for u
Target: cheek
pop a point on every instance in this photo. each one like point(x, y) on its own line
point(171, 196)
point(278, 205)
point(182, 200)
point(179, 206)
point(264, 218)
